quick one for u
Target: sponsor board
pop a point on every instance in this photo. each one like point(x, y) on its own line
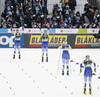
point(82, 31)
point(58, 31)
point(7, 40)
point(32, 31)
point(77, 31)
point(3, 30)
point(86, 41)
point(92, 31)
point(66, 31)
point(54, 40)
point(14, 30)
point(38, 30)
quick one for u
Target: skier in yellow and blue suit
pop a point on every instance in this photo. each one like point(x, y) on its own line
point(45, 38)
point(17, 44)
point(65, 56)
point(87, 72)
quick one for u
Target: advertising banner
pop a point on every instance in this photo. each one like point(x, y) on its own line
point(75, 40)
point(58, 31)
point(86, 41)
point(67, 31)
point(7, 40)
point(30, 31)
point(36, 41)
point(3, 30)
point(77, 31)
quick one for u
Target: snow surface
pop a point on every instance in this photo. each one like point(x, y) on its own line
point(29, 77)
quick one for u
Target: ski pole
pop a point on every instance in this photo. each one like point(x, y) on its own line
point(70, 67)
point(58, 62)
point(35, 28)
point(50, 28)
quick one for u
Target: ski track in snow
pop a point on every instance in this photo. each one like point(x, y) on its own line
point(29, 77)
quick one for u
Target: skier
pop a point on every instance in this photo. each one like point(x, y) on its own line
point(65, 56)
point(17, 41)
point(87, 72)
point(45, 36)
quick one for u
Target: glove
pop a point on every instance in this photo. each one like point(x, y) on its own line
point(11, 29)
point(39, 24)
point(48, 25)
point(94, 69)
point(80, 70)
point(39, 27)
point(22, 28)
point(48, 28)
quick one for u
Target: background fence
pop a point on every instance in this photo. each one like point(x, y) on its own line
point(77, 38)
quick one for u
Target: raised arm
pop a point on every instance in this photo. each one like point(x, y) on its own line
point(13, 31)
point(21, 30)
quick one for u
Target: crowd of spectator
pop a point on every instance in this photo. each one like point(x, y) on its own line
point(29, 14)
point(21, 13)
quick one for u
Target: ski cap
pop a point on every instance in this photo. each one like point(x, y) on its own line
point(17, 30)
point(87, 56)
point(65, 42)
point(45, 31)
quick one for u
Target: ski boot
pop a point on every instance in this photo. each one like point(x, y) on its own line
point(19, 56)
point(62, 71)
point(14, 56)
point(46, 58)
point(90, 92)
point(84, 91)
point(67, 71)
point(42, 58)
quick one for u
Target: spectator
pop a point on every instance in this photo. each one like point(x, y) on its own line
point(70, 26)
point(15, 24)
point(8, 9)
point(65, 25)
point(3, 25)
point(67, 12)
point(44, 10)
point(33, 24)
point(55, 25)
point(8, 2)
point(87, 7)
point(43, 3)
point(88, 17)
point(44, 24)
point(19, 13)
point(63, 6)
point(72, 4)
point(9, 20)
point(77, 20)
point(37, 8)
point(96, 19)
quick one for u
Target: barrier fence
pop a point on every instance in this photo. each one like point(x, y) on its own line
point(77, 38)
